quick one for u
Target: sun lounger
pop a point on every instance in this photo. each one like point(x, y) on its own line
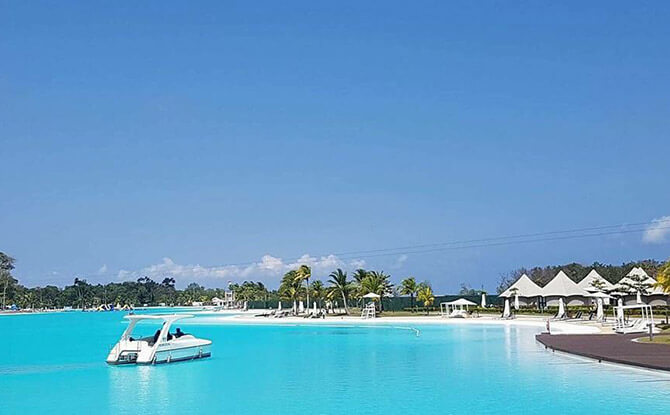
point(559, 318)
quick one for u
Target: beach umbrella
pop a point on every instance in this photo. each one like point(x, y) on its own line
point(506, 312)
point(516, 302)
point(561, 308)
point(279, 306)
point(483, 300)
point(314, 308)
point(639, 298)
point(600, 313)
point(301, 307)
point(295, 307)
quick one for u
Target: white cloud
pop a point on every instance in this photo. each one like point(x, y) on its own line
point(399, 261)
point(268, 267)
point(102, 270)
point(658, 231)
point(357, 263)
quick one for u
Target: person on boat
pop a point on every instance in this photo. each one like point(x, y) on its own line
point(178, 333)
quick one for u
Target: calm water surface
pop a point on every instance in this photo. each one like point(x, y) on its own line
point(54, 363)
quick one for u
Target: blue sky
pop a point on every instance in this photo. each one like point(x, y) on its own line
point(168, 137)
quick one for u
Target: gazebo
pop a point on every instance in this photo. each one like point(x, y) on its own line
point(524, 292)
point(595, 283)
point(562, 288)
point(456, 309)
point(655, 296)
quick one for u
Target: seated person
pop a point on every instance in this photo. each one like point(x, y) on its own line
point(178, 333)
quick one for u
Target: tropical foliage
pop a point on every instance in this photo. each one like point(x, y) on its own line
point(409, 286)
point(636, 284)
point(663, 277)
point(425, 296)
point(340, 287)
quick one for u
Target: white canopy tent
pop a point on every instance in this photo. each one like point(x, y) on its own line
point(562, 287)
point(525, 288)
point(592, 281)
point(655, 295)
point(524, 291)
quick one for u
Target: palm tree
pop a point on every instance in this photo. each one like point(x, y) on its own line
point(318, 291)
point(408, 286)
point(339, 284)
point(425, 295)
point(81, 286)
point(304, 273)
point(359, 275)
point(378, 283)
point(291, 286)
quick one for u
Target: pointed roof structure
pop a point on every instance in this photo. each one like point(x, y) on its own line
point(525, 288)
point(562, 286)
point(586, 282)
point(638, 271)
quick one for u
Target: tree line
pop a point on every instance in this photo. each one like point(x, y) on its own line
point(296, 285)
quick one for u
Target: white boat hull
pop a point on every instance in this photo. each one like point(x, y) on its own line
point(163, 347)
point(180, 355)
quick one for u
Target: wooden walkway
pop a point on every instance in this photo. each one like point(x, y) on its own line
point(615, 348)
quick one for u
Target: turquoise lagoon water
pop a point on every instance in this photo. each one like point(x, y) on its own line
point(54, 363)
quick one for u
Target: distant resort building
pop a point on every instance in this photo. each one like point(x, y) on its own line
point(561, 288)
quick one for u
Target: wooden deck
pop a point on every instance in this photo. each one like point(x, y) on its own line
point(615, 348)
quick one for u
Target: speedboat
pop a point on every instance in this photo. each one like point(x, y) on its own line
point(162, 347)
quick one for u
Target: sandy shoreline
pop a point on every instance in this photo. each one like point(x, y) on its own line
point(237, 317)
point(248, 318)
